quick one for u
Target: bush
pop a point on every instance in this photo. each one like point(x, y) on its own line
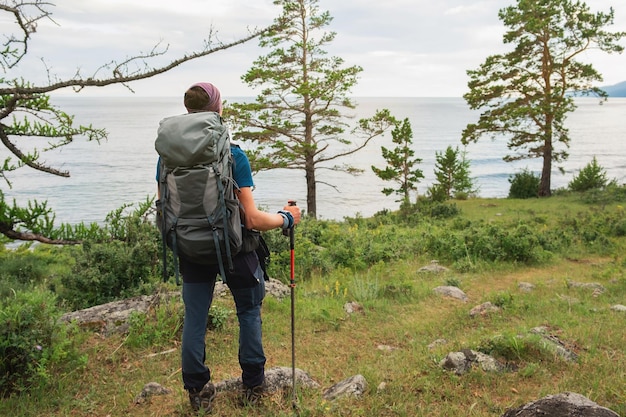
point(107, 271)
point(443, 210)
point(32, 342)
point(491, 243)
point(524, 184)
point(591, 177)
point(19, 271)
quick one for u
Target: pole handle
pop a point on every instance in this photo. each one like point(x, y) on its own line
point(289, 232)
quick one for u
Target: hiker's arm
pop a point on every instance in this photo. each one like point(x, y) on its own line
point(261, 220)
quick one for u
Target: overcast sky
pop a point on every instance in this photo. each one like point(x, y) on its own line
point(412, 48)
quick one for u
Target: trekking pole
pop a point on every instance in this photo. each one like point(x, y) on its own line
point(292, 285)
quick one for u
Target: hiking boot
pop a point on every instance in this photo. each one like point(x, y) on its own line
point(202, 399)
point(252, 396)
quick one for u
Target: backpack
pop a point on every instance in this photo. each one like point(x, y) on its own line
point(197, 212)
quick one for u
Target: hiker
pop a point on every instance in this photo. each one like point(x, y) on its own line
point(245, 281)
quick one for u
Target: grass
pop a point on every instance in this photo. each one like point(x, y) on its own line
point(400, 310)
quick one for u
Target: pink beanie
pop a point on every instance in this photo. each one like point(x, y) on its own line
point(215, 99)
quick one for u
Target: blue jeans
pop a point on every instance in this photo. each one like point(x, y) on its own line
point(247, 287)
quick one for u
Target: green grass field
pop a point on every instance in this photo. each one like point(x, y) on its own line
point(400, 310)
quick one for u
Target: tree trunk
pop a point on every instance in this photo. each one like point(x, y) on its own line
point(546, 172)
point(311, 192)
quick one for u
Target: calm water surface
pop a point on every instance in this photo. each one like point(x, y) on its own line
point(121, 170)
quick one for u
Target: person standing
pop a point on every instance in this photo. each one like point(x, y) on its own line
point(245, 281)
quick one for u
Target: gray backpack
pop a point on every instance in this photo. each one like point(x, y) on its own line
point(198, 211)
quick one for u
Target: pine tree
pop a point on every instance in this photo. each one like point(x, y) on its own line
point(527, 93)
point(297, 121)
point(400, 163)
point(452, 173)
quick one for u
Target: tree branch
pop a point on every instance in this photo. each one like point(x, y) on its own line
point(7, 230)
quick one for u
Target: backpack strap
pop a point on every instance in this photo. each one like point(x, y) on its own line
point(163, 190)
point(175, 253)
point(225, 217)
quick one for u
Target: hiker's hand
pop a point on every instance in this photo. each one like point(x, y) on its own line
point(295, 212)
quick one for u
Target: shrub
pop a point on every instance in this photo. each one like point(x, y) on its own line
point(524, 184)
point(592, 176)
point(491, 243)
point(32, 342)
point(444, 210)
point(218, 317)
point(107, 271)
point(19, 271)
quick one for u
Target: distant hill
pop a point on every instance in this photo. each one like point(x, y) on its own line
point(617, 90)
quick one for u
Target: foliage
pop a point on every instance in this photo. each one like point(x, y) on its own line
point(218, 317)
point(158, 328)
point(20, 271)
point(296, 121)
point(452, 173)
point(487, 242)
point(127, 265)
point(526, 93)
point(374, 261)
point(611, 193)
point(400, 163)
point(442, 210)
point(27, 267)
point(512, 347)
point(36, 222)
point(33, 345)
point(524, 184)
point(592, 176)
point(28, 118)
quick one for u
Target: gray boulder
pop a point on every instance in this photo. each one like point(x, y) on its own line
point(451, 291)
point(276, 379)
point(461, 362)
point(433, 267)
point(484, 309)
point(567, 404)
point(354, 386)
point(150, 390)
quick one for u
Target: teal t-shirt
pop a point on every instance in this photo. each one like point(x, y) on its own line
point(242, 173)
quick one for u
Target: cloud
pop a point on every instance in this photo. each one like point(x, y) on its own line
point(406, 47)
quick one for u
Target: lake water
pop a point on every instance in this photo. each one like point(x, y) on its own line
point(122, 169)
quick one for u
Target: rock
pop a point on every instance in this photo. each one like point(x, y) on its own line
point(353, 307)
point(457, 362)
point(438, 342)
point(618, 307)
point(149, 390)
point(525, 286)
point(597, 288)
point(483, 309)
point(461, 362)
point(566, 404)
point(354, 386)
point(276, 379)
point(555, 344)
point(273, 287)
point(433, 267)
point(113, 317)
point(451, 291)
point(381, 387)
